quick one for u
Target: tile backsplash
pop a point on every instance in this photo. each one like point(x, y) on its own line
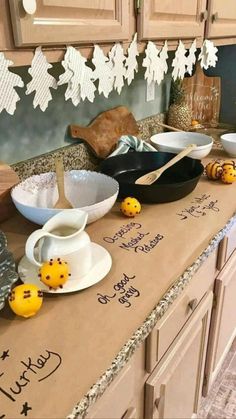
point(31, 132)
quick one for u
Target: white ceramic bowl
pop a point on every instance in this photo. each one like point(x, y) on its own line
point(92, 192)
point(174, 142)
point(228, 142)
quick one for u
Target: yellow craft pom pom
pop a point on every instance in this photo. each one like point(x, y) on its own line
point(214, 170)
point(54, 273)
point(25, 300)
point(130, 207)
point(194, 122)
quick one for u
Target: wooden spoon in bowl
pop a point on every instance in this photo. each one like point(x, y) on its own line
point(62, 202)
point(151, 177)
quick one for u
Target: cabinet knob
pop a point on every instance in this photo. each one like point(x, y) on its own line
point(193, 304)
point(29, 6)
point(215, 17)
point(203, 16)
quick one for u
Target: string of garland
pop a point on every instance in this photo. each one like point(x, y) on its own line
point(109, 72)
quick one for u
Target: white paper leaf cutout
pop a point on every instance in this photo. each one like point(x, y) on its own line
point(41, 81)
point(131, 62)
point(208, 55)
point(163, 58)
point(117, 59)
point(191, 58)
point(78, 76)
point(179, 62)
point(155, 63)
point(8, 81)
point(72, 93)
point(102, 71)
point(147, 63)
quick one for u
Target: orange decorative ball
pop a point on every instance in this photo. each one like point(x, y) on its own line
point(54, 273)
point(130, 207)
point(214, 170)
point(25, 300)
point(229, 172)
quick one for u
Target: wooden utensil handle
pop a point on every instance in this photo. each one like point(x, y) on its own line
point(178, 157)
point(169, 127)
point(60, 175)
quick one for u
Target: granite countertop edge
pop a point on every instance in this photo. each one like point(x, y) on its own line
point(124, 355)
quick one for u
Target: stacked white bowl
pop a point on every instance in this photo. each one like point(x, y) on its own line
point(174, 142)
point(228, 142)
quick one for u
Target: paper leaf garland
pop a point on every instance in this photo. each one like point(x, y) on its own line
point(78, 76)
point(41, 81)
point(8, 81)
point(208, 55)
point(131, 62)
point(117, 59)
point(155, 63)
point(191, 58)
point(179, 62)
point(102, 72)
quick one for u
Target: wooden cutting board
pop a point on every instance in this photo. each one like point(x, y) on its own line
point(8, 178)
point(103, 133)
point(203, 95)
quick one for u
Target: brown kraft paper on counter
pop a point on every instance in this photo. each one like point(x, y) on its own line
point(48, 362)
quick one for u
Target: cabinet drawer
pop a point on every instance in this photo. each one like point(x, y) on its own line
point(223, 321)
point(116, 401)
point(226, 247)
point(173, 390)
point(174, 319)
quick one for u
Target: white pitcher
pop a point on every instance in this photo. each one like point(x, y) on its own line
point(62, 236)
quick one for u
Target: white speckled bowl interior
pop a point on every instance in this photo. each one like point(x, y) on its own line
point(92, 192)
point(174, 142)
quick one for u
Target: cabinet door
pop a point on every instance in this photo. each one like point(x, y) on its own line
point(223, 322)
point(172, 19)
point(174, 388)
point(221, 19)
point(70, 21)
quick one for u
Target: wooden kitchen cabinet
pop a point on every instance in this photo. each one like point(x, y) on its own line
point(57, 23)
point(168, 327)
point(174, 388)
point(124, 398)
point(221, 19)
point(171, 19)
point(223, 322)
point(226, 247)
point(72, 21)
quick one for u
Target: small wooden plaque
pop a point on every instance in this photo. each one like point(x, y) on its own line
point(203, 95)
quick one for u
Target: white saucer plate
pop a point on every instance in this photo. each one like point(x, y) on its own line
point(101, 265)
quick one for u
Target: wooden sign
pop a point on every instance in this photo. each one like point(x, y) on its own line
point(203, 93)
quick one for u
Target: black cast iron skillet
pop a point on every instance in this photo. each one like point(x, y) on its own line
point(175, 183)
